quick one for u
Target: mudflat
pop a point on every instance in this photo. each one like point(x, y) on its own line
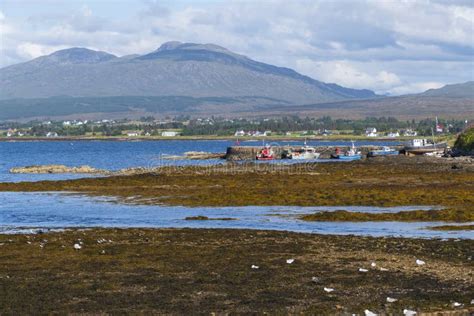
point(183, 271)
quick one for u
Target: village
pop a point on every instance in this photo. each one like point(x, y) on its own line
point(179, 127)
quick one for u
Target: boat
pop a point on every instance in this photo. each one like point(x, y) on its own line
point(304, 153)
point(266, 154)
point(421, 146)
point(385, 151)
point(351, 154)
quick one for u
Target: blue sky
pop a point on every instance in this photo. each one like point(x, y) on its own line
point(389, 46)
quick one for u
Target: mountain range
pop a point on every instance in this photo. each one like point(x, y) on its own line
point(184, 78)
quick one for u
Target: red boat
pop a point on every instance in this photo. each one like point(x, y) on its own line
point(266, 154)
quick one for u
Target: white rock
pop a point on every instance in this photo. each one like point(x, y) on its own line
point(420, 262)
point(363, 270)
point(254, 266)
point(391, 299)
point(328, 289)
point(456, 304)
point(369, 313)
point(472, 302)
point(315, 279)
point(373, 264)
point(408, 312)
point(290, 261)
point(383, 269)
point(77, 246)
point(103, 252)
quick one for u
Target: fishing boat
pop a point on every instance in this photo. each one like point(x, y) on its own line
point(304, 153)
point(351, 154)
point(266, 154)
point(424, 146)
point(385, 151)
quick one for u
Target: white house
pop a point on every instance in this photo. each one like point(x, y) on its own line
point(371, 132)
point(393, 134)
point(239, 133)
point(410, 132)
point(133, 134)
point(169, 134)
point(51, 134)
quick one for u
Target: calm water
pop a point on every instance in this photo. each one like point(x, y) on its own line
point(115, 155)
point(56, 210)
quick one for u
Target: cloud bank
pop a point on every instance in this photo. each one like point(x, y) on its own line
point(392, 47)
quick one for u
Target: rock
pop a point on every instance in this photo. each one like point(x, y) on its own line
point(328, 290)
point(255, 267)
point(77, 246)
point(420, 262)
point(290, 261)
point(315, 280)
point(391, 300)
point(41, 169)
point(408, 312)
point(369, 313)
point(363, 270)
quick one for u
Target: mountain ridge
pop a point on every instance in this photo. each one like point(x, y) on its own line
point(175, 68)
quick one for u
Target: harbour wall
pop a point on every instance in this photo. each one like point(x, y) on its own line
point(235, 153)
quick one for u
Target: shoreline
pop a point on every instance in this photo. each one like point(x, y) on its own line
point(221, 138)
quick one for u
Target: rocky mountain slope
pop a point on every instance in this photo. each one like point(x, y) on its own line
point(174, 69)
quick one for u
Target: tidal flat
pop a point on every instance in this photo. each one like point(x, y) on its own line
point(183, 271)
point(396, 181)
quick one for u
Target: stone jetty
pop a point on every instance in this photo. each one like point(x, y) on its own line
point(235, 153)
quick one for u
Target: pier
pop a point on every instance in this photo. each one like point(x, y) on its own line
point(235, 153)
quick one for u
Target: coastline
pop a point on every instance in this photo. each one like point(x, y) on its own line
point(229, 138)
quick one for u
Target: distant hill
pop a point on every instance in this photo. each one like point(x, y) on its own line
point(460, 90)
point(174, 69)
point(197, 79)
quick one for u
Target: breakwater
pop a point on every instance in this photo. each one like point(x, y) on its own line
point(235, 153)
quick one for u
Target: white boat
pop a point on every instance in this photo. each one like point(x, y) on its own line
point(423, 146)
point(304, 153)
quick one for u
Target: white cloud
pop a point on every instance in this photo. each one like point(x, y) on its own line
point(386, 46)
point(344, 73)
point(416, 87)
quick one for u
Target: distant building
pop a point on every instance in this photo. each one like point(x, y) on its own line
point(371, 132)
point(393, 134)
point(51, 134)
point(133, 134)
point(267, 133)
point(410, 133)
point(10, 133)
point(169, 134)
point(239, 133)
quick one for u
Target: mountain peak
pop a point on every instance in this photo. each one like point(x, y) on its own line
point(176, 45)
point(79, 55)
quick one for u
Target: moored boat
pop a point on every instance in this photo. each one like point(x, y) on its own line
point(424, 146)
point(303, 153)
point(266, 154)
point(351, 154)
point(385, 151)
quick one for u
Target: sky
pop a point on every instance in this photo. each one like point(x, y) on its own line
point(391, 47)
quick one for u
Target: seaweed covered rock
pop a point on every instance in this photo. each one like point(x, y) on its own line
point(465, 143)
